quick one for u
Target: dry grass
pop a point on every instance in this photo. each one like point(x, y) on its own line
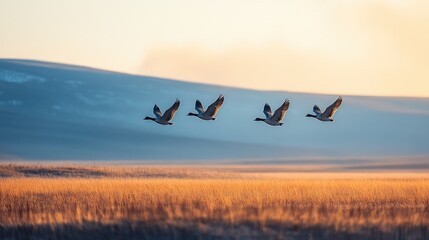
point(246, 206)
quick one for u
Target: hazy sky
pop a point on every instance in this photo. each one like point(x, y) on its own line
point(373, 47)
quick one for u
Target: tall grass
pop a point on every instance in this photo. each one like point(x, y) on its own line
point(344, 204)
point(340, 203)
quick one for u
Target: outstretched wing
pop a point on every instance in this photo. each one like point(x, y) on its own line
point(214, 107)
point(169, 114)
point(267, 111)
point(316, 109)
point(280, 113)
point(330, 111)
point(157, 112)
point(199, 107)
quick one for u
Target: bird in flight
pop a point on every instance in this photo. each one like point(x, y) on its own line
point(164, 119)
point(276, 118)
point(327, 115)
point(211, 111)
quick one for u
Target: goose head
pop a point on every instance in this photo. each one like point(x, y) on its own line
point(149, 118)
point(259, 119)
point(310, 115)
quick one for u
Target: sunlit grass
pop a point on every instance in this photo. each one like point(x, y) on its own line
point(339, 203)
point(336, 201)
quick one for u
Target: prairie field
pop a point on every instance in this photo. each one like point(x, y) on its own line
point(149, 202)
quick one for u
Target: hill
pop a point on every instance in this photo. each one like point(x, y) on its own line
point(51, 111)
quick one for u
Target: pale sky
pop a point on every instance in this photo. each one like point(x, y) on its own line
point(368, 47)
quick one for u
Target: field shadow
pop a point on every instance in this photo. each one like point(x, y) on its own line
point(12, 170)
point(187, 230)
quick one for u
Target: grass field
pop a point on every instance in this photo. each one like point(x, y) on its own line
point(82, 202)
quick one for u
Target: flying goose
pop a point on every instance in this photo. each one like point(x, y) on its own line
point(211, 111)
point(328, 113)
point(164, 119)
point(279, 114)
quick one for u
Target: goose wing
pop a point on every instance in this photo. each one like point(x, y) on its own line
point(316, 109)
point(199, 107)
point(330, 111)
point(267, 111)
point(279, 114)
point(157, 111)
point(169, 113)
point(215, 106)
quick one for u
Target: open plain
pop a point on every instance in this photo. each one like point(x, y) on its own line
point(148, 202)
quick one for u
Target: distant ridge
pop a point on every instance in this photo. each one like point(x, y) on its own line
point(80, 113)
point(69, 66)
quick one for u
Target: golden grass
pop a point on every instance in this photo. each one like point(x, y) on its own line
point(72, 201)
point(343, 204)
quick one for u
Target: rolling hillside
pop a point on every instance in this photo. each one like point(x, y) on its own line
point(52, 111)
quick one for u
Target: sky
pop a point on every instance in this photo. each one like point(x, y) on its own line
point(352, 47)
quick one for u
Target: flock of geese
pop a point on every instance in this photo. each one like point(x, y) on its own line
point(270, 118)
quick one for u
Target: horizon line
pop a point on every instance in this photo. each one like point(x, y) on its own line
point(22, 60)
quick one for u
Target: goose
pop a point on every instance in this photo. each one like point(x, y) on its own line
point(211, 111)
point(279, 114)
point(327, 115)
point(164, 119)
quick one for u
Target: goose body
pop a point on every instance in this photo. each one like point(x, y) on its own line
point(327, 115)
point(211, 111)
point(276, 118)
point(164, 119)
